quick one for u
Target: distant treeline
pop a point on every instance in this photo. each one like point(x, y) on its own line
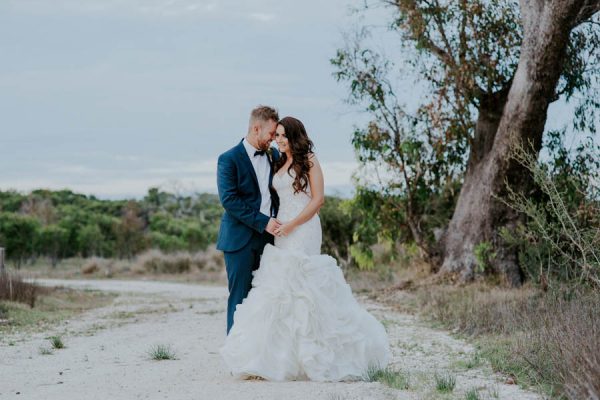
point(62, 224)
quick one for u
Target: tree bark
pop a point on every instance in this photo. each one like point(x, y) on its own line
point(478, 215)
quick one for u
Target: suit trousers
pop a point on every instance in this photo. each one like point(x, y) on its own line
point(239, 265)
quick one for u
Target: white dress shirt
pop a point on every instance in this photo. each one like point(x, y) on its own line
point(263, 171)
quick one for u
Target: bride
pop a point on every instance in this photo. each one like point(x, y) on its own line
point(300, 319)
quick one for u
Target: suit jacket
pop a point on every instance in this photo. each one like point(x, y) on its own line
point(240, 196)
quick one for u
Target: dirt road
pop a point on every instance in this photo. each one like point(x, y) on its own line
point(106, 354)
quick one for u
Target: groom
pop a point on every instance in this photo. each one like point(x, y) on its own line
point(244, 177)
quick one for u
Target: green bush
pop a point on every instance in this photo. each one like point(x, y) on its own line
point(17, 235)
point(60, 224)
point(559, 241)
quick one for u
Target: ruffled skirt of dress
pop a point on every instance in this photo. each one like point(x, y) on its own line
point(301, 321)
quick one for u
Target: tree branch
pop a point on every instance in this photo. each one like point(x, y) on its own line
point(587, 11)
point(412, 10)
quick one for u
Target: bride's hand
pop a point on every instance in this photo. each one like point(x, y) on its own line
point(285, 229)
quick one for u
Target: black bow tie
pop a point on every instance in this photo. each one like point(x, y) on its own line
point(259, 153)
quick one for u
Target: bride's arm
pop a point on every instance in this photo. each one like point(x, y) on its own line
point(315, 180)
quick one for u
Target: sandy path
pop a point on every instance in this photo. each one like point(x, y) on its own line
point(106, 354)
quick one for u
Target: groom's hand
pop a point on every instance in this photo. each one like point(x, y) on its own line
point(272, 226)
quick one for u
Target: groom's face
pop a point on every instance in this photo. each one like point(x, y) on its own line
point(266, 133)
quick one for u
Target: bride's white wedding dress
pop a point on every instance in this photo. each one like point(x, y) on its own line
point(300, 319)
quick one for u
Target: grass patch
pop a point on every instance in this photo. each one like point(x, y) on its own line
point(389, 377)
point(474, 361)
point(202, 267)
point(472, 394)
point(53, 306)
point(444, 383)
point(56, 342)
point(45, 351)
point(162, 352)
point(548, 340)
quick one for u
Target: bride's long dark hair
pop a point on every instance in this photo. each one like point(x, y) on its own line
point(301, 147)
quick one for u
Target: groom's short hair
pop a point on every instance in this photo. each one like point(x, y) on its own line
point(264, 113)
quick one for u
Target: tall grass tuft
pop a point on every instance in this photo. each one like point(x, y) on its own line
point(445, 383)
point(472, 394)
point(56, 342)
point(387, 376)
point(162, 352)
point(13, 288)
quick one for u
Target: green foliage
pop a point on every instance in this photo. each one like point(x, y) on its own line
point(17, 232)
point(559, 239)
point(65, 224)
point(10, 201)
point(61, 224)
point(166, 242)
point(170, 234)
point(51, 240)
point(339, 224)
point(484, 256)
point(363, 257)
point(466, 55)
point(90, 239)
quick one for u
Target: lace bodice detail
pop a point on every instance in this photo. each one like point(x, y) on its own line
point(307, 237)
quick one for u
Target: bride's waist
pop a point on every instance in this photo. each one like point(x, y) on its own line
point(285, 215)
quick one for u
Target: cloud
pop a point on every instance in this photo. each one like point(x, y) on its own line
point(161, 8)
point(262, 17)
point(338, 173)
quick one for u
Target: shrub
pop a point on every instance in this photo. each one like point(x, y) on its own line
point(97, 264)
point(214, 259)
point(560, 241)
point(13, 288)
point(156, 262)
point(550, 339)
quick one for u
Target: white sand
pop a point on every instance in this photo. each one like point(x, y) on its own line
point(106, 354)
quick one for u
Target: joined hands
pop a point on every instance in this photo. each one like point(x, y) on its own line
point(276, 228)
point(273, 225)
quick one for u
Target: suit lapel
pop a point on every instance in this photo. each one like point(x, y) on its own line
point(270, 170)
point(274, 198)
point(246, 160)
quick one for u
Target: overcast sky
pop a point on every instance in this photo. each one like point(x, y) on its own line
point(111, 97)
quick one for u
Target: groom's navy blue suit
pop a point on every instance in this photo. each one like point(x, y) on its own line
point(242, 235)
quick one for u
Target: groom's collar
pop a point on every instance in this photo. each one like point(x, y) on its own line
point(249, 148)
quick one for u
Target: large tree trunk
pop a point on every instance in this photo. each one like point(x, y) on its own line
point(478, 215)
